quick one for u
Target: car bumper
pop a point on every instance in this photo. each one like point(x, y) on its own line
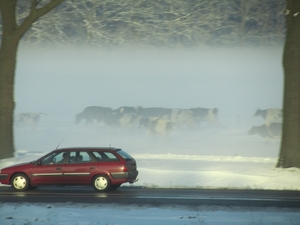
point(4, 179)
point(130, 176)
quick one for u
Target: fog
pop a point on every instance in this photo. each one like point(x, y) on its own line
point(61, 82)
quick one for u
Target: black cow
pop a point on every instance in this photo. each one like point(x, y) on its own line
point(98, 113)
point(127, 116)
point(155, 112)
point(155, 125)
point(272, 115)
point(205, 115)
point(273, 130)
point(182, 118)
point(128, 109)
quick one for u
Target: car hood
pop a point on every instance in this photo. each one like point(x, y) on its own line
point(16, 165)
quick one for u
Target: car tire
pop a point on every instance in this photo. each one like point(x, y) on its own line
point(20, 182)
point(101, 183)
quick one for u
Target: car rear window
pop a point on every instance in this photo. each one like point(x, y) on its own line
point(124, 155)
point(105, 156)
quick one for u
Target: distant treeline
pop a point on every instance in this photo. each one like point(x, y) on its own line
point(155, 23)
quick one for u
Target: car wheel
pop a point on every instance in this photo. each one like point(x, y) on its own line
point(20, 182)
point(101, 183)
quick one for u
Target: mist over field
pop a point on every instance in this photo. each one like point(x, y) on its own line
point(61, 82)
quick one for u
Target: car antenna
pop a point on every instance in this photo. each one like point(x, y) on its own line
point(59, 143)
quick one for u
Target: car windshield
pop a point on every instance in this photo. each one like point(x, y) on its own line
point(124, 155)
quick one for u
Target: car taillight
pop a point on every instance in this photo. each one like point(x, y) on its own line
point(125, 169)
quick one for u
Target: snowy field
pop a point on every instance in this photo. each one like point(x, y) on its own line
point(236, 81)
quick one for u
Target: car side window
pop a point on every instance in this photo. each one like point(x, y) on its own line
point(105, 156)
point(79, 157)
point(60, 158)
point(72, 157)
point(85, 157)
point(55, 158)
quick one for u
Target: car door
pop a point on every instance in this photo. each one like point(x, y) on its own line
point(80, 168)
point(49, 171)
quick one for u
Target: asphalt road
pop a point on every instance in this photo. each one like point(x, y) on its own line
point(155, 196)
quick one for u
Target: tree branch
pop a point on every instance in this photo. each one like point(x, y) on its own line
point(35, 14)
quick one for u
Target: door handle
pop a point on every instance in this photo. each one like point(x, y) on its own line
point(58, 168)
point(92, 167)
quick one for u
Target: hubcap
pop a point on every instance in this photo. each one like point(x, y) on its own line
point(101, 183)
point(19, 182)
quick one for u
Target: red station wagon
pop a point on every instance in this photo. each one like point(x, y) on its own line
point(103, 168)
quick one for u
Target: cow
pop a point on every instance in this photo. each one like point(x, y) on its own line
point(127, 116)
point(28, 119)
point(205, 115)
point(272, 130)
point(92, 113)
point(182, 118)
point(156, 126)
point(272, 115)
point(155, 112)
point(128, 109)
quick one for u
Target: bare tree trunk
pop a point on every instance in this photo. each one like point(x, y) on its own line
point(12, 33)
point(8, 52)
point(289, 155)
point(7, 71)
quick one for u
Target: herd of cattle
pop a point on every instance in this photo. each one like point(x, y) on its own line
point(154, 120)
point(161, 121)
